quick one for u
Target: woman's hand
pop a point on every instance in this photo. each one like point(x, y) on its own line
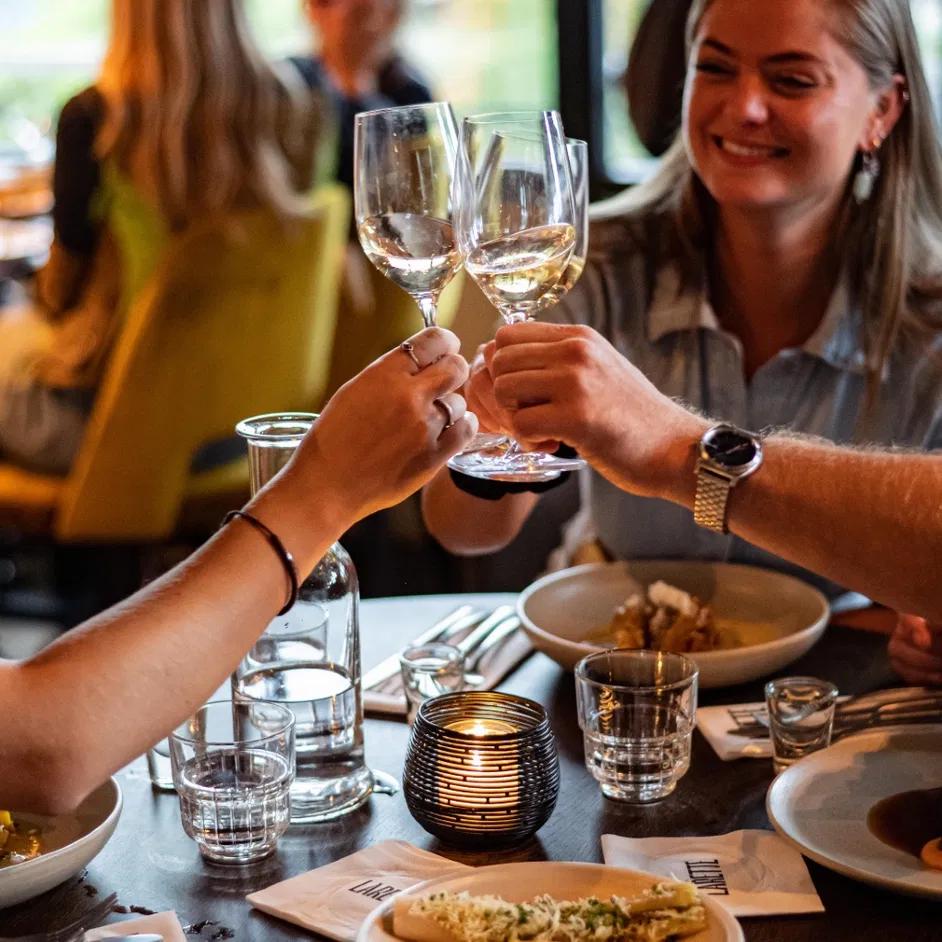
point(915, 650)
point(569, 383)
point(385, 432)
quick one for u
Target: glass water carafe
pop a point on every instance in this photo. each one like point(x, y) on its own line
point(309, 657)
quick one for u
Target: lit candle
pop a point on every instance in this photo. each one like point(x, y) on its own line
point(481, 727)
point(484, 777)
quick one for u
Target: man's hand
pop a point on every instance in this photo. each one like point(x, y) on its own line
point(915, 650)
point(570, 384)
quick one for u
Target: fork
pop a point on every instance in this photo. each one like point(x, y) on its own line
point(72, 931)
point(880, 708)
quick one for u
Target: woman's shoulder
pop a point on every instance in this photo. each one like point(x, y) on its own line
point(621, 230)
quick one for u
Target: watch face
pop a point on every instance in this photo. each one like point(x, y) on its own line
point(729, 448)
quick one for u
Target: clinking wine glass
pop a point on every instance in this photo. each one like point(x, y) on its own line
point(405, 164)
point(578, 152)
point(518, 228)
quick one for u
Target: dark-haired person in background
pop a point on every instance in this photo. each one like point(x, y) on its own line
point(357, 67)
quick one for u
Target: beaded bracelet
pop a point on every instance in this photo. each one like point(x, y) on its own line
point(287, 560)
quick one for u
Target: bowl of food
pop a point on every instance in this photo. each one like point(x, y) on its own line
point(737, 622)
point(38, 852)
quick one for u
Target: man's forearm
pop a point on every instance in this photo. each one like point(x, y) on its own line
point(869, 520)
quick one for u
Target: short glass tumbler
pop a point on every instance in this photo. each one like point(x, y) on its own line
point(637, 711)
point(801, 717)
point(481, 769)
point(233, 764)
point(158, 765)
point(429, 670)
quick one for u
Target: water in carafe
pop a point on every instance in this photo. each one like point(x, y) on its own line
point(309, 657)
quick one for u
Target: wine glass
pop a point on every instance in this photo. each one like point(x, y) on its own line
point(578, 152)
point(405, 165)
point(518, 231)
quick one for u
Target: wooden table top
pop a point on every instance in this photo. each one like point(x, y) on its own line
point(152, 865)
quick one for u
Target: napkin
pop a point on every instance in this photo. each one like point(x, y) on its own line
point(716, 721)
point(166, 924)
point(749, 873)
point(335, 899)
point(495, 665)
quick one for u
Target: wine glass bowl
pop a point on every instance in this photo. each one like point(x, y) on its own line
point(519, 226)
point(517, 222)
point(405, 197)
point(578, 152)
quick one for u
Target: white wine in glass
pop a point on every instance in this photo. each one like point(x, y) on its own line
point(518, 231)
point(578, 152)
point(405, 167)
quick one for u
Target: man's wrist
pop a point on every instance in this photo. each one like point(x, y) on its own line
point(678, 480)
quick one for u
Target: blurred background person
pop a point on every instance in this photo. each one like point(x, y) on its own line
point(356, 65)
point(185, 122)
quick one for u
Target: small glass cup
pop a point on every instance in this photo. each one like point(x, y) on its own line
point(159, 767)
point(801, 717)
point(637, 711)
point(233, 764)
point(429, 670)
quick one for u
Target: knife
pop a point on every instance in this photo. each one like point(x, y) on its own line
point(462, 617)
point(492, 623)
point(496, 637)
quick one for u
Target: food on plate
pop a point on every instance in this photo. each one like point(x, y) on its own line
point(911, 821)
point(17, 843)
point(666, 911)
point(666, 618)
point(931, 853)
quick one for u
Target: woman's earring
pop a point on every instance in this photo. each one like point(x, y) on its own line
point(866, 177)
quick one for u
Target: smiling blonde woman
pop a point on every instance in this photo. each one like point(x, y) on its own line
point(782, 269)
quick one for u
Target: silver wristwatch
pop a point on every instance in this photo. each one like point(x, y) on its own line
point(727, 455)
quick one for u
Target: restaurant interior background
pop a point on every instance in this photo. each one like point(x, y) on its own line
point(482, 55)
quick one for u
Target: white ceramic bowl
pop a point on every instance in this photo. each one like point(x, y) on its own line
point(787, 616)
point(71, 841)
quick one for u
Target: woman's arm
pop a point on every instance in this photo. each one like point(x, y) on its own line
point(103, 693)
point(869, 520)
point(471, 526)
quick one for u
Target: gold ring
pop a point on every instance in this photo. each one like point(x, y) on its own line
point(408, 348)
point(449, 415)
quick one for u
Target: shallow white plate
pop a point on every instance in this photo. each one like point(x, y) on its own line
point(70, 842)
point(782, 616)
point(519, 882)
point(820, 804)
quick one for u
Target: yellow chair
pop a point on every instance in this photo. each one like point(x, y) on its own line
point(237, 319)
point(377, 315)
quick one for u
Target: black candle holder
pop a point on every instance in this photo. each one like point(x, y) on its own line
point(481, 769)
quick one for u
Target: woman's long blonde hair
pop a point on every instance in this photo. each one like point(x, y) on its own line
point(891, 245)
point(193, 113)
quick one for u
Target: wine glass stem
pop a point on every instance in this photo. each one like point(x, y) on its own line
point(428, 305)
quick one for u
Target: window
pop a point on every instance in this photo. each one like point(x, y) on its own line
point(479, 54)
